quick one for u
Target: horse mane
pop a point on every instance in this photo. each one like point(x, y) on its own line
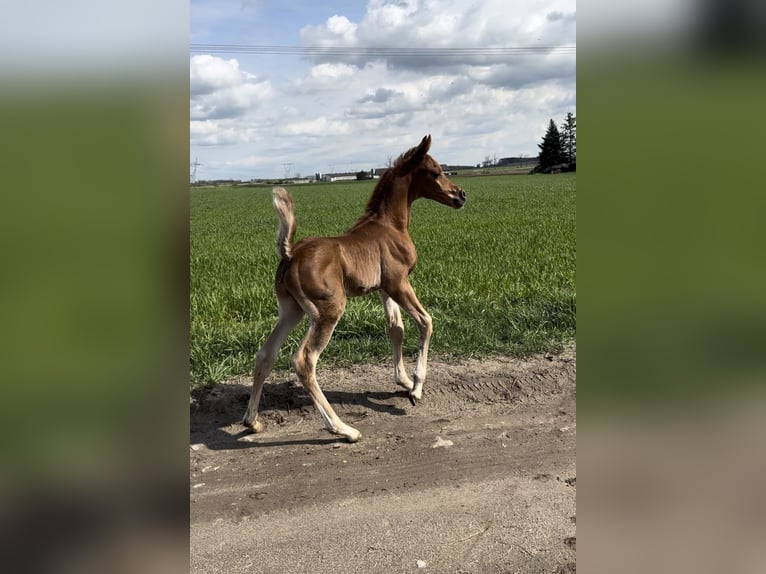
point(383, 187)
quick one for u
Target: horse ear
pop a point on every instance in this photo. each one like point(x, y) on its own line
point(413, 157)
point(423, 148)
point(418, 154)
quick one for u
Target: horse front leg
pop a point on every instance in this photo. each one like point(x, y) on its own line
point(404, 295)
point(395, 329)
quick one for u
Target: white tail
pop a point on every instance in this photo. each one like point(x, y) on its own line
point(283, 203)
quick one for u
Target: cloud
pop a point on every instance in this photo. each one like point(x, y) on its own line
point(209, 73)
point(379, 96)
point(341, 28)
point(514, 75)
point(413, 93)
point(326, 76)
point(214, 133)
point(561, 17)
point(337, 31)
point(219, 89)
point(334, 71)
point(450, 25)
point(446, 87)
point(318, 127)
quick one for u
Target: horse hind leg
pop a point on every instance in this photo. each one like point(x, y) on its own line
point(304, 363)
point(290, 314)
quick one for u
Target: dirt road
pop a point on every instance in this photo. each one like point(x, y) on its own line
point(478, 477)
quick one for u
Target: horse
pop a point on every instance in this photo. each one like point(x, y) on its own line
point(316, 276)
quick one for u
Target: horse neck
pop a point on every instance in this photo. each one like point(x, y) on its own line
point(391, 203)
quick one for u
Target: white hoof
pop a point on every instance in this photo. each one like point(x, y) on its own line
point(416, 394)
point(351, 434)
point(406, 384)
point(256, 426)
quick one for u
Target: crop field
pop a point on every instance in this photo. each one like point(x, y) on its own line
point(498, 277)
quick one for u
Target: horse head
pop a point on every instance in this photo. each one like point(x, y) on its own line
point(428, 178)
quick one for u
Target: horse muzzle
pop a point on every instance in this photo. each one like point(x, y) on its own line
point(458, 198)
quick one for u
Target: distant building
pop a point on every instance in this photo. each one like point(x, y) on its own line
point(343, 176)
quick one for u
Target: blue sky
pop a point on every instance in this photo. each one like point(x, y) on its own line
point(262, 22)
point(253, 114)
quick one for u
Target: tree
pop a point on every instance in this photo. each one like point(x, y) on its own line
point(550, 150)
point(569, 138)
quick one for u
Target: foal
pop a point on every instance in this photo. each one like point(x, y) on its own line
point(317, 274)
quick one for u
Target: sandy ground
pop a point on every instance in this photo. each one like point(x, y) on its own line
point(478, 477)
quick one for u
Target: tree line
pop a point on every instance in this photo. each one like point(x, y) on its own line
point(558, 150)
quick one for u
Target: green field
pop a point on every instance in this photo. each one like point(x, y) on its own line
point(497, 276)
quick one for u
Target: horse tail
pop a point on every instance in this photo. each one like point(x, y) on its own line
point(283, 203)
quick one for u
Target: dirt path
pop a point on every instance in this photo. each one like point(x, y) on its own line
point(478, 477)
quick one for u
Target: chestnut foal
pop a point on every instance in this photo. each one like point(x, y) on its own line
point(317, 274)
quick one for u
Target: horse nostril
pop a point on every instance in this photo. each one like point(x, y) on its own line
point(461, 193)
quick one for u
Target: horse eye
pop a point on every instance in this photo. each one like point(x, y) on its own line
point(435, 174)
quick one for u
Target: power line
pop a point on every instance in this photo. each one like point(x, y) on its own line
point(382, 52)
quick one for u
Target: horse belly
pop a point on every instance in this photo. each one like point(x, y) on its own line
point(361, 280)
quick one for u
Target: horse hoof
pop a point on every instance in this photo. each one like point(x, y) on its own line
point(354, 437)
point(255, 426)
point(406, 385)
point(351, 434)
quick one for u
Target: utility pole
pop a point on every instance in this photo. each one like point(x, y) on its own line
point(194, 165)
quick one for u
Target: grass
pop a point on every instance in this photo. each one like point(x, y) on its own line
point(498, 277)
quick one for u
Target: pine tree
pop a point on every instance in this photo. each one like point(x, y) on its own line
point(550, 150)
point(569, 138)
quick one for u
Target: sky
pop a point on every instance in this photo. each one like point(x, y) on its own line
point(270, 115)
